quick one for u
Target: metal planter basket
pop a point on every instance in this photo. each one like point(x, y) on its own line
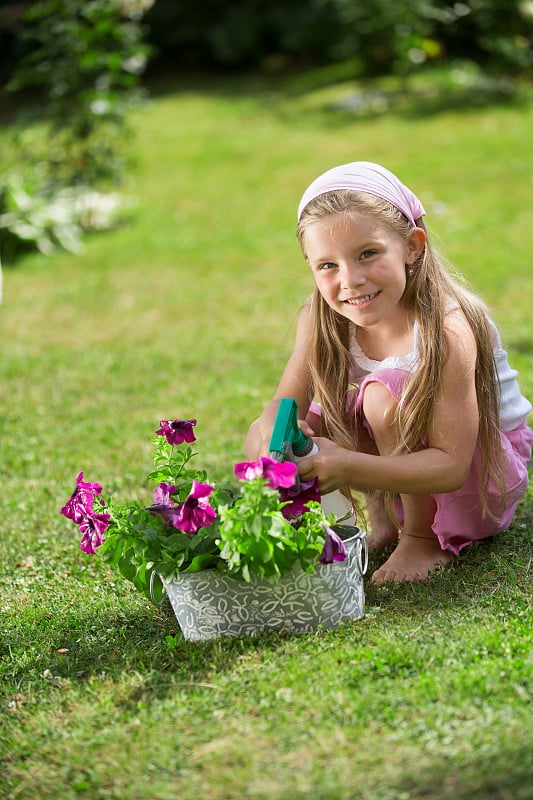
point(209, 604)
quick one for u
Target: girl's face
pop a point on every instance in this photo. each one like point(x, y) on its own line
point(359, 266)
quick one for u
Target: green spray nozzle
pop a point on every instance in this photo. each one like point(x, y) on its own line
point(287, 439)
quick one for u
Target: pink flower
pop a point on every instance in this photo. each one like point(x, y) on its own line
point(177, 431)
point(278, 474)
point(195, 512)
point(93, 527)
point(81, 500)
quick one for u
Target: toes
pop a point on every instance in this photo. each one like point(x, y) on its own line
point(382, 576)
point(386, 575)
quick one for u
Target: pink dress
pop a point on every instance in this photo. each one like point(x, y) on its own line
point(459, 519)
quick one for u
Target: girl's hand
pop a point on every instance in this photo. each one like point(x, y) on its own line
point(329, 465)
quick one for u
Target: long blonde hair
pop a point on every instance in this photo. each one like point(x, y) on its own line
point(430, 292)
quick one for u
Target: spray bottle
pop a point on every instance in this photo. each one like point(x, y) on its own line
point(289, 443)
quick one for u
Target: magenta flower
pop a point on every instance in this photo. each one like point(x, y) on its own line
point(195, 512)
point(177, 431)
point(278, 474)
point(334, 549)
point(298, 497)
point(81, 500)
point(93, 527)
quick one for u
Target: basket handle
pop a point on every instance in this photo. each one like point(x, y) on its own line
point(362, 555)
point(153, 576)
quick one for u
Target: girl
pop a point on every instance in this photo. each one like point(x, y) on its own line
point(413, 389)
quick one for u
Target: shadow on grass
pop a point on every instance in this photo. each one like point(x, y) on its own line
point(418, 96)
point(502, 774)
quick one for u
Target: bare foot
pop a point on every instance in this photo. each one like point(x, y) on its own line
point(414, 559)
point(382, 529)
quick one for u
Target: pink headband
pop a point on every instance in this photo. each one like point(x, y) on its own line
point(366, 176)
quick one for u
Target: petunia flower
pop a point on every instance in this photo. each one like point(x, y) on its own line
point(298, 497)
point(278, 474)
point(81, 500)
point(195, 512)
point(93, 527)
point(177, 431)
point(162, 495)
point(169, 513)
point(334, 549)
point(248, 470)
point(163, 505)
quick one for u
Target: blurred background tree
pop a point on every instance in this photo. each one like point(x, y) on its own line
point(83, 60)
point(496, 34)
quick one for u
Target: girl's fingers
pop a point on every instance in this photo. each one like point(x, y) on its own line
point(305, 427)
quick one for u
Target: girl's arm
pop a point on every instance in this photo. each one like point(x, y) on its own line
point(443, 466)
point(295, 382)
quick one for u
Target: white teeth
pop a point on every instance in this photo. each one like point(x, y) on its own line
point(360, 300)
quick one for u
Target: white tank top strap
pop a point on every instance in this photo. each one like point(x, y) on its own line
point(362, 365)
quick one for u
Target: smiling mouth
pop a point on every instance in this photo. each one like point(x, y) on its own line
point(359, 301)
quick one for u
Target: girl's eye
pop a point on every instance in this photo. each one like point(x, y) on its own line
point(327, 265)
point(367, 254)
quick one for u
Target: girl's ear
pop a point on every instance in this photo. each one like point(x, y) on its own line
point(415, 245)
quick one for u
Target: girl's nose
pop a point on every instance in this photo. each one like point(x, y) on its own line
point(352, 277)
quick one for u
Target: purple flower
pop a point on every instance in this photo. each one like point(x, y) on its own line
point(93, 527)
point(81, 500)
point(177, 431)
point(334, 549)
point(278, 474)
point(195, 512)
point(162, 494)
point(298, 497)
point(162, 504)
point(169, 513)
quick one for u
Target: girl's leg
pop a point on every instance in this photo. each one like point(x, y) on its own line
point(418, 551)
point(383, 530)
point(253, 441)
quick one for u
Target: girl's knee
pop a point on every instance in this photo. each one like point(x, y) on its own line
point(253, 441)
point(379, 408)
point(314, 420)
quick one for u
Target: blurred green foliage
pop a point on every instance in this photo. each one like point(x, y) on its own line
point(384, 36)
point(79, 76)
point(83, 61)
point(381, 35)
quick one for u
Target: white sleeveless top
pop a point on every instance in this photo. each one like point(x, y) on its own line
point(514, 407)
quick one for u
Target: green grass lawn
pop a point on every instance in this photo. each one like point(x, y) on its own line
point(189, 310)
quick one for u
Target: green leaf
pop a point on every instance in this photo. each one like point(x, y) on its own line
point(263, 550)
point(127, 568)
point(203, 561)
